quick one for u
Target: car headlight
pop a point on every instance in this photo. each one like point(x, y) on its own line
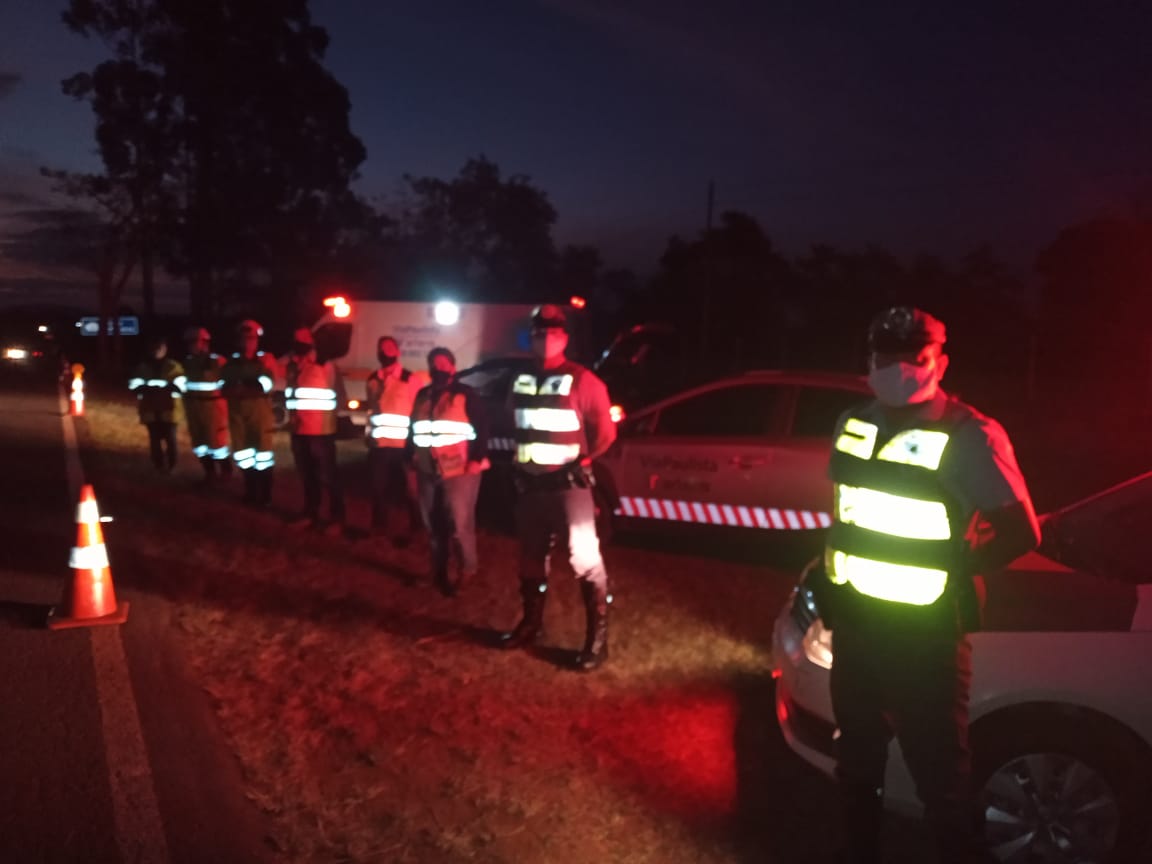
point(15, 354)
point(818, 645)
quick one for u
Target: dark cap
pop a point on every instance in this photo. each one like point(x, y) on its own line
point(900, 329)
point(549, 316)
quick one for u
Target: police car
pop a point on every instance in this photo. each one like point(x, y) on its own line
point(747, 452)
point(1061, 702)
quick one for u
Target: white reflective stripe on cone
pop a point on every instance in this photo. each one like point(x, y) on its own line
point(737, 516)
point(87, 513)
point(88, 557)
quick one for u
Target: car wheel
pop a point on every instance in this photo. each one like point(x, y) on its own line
point(1058, 790)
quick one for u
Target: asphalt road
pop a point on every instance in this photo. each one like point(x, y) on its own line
point(110, 754)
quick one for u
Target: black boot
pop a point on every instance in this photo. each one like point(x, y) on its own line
point(596, 600)
point(526, 632)
point(264, 488)
point(209, 466)
point(250, 481)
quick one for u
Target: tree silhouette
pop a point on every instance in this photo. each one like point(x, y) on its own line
point(224, 109)
point(480, 235)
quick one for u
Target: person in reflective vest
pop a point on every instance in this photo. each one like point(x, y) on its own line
point(158, 383)
point(247, 379)
point(448, 445)
point(313, 391)
point(927, 495)
point(563, 422)
point(204, 404)
point(390, 393)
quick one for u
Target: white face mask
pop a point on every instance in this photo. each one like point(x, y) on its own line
point(900, 384)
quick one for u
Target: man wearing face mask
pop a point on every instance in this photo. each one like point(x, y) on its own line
point(390, 394)
point(313, 392)
point(927, 496)
point(563, 422)
point(448, 445)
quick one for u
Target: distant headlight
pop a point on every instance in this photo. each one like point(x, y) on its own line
point(15, 354)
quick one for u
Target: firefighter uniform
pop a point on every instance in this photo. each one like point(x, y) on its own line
point(389, 396)
point(313, 393)
point(562, 416)
point(157, 383)
point(204, 405)
point(909, 480)
point(247, 379)
point(449, 449)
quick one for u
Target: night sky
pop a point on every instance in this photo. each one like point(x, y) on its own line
point(916, 126)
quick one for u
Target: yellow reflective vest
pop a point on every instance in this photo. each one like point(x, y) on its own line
point(549, 431)
point(896, 531)
point(390, 399)
point(441, 430)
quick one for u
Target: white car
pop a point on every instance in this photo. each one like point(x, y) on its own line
point(1061, 698)
point(745, 452)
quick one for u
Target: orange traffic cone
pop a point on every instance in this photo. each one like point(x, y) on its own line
point(76, 397)
point(89, 598)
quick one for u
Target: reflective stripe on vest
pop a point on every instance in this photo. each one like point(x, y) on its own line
point(441, 433)
point(310, 399)
point(898, 583)
point(892, 543)
point(393, 427)
point(548, 419)
point(204, 386)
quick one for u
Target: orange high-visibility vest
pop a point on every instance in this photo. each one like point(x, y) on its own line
point(441, 432)
point(390, 402)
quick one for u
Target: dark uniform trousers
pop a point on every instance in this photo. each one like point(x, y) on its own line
point(315, 457)
point(563, 516)
point(162, 444)
point(904, 672)
point(391, 490)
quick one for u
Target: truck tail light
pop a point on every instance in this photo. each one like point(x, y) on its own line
point(339, 306)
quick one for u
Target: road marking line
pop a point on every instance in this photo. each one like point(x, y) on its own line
point(139, 828)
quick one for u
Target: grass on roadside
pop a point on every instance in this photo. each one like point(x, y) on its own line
point(374, 720)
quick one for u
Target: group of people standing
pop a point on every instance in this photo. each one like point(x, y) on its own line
point(427, 439)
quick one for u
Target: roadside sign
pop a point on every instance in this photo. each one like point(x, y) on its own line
point(90, 325)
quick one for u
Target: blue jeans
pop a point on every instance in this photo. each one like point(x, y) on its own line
point(448, 508)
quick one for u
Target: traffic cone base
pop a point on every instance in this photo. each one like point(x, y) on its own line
point(89, 599)
point(58, 622)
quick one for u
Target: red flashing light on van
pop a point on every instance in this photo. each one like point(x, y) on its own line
point(339, 306)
